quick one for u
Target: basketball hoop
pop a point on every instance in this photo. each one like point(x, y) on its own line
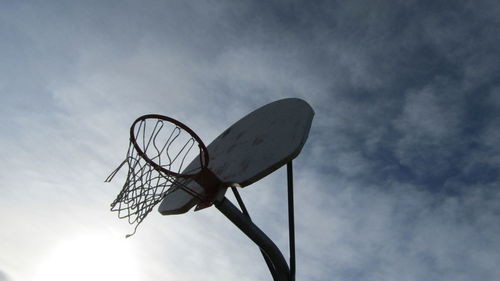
point(255, 146)
point(158, 151)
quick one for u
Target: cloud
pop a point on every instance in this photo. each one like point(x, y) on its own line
point(398, 179)
point(395, 232)
point(4, 276)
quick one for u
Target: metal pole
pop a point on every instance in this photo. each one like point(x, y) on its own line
point(240, 202)
point(245, 212)
point(257, 236)
point(291, 223)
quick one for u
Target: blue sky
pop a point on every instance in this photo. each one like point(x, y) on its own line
point(399, 179)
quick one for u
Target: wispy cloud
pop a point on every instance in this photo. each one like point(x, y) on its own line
point(3, 276)
point(399, 178)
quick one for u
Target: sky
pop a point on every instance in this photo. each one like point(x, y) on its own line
point(399, 179)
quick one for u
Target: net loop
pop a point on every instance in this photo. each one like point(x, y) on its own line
point(156, 160)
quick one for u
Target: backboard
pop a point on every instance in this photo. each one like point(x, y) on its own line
point(250, 149)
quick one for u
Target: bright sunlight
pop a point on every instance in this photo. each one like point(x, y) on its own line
point(90, 257)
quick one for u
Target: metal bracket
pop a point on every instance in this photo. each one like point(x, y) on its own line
point(257, 236)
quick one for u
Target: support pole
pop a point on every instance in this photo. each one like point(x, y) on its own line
point(291, 220)
point(245, 212)
point(257, 236)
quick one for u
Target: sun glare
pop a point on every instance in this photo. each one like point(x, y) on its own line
point(90, 257)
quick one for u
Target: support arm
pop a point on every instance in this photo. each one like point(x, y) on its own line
point(257, 236)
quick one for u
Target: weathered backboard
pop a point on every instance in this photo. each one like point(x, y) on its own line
point(250, 149)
